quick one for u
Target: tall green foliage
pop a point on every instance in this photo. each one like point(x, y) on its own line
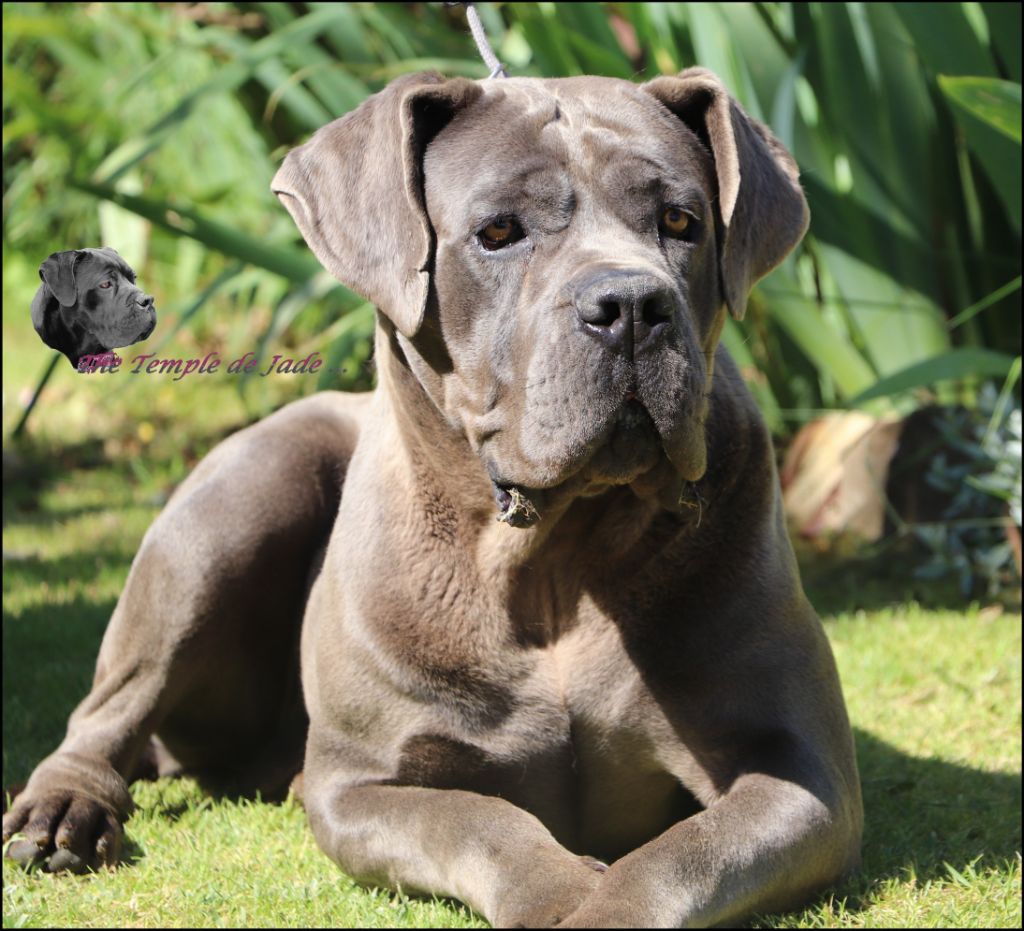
point(159, 127)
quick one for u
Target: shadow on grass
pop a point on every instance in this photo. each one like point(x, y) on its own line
point(923, 813)
point(852, 576)
point(875, 581)
point(83, 567)
point(32, 467)
point(923, 816)
point(49, 652)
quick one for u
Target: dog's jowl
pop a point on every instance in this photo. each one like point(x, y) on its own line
point(621, 668)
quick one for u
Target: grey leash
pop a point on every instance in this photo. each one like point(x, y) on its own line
point(484, 47)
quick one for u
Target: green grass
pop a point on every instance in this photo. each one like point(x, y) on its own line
point(935, 698)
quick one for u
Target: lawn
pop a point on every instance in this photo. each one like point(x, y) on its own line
point(934, 694)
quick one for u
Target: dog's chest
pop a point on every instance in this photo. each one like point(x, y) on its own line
point(623, 793)
point(530, 695)
point(575, 747)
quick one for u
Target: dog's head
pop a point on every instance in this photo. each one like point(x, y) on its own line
point(582, 237)
point(88, 303)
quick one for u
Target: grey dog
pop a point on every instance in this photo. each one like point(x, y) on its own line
point(89, 304)
point(623, 666)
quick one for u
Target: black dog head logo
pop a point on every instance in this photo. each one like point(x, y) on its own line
point(89, 304)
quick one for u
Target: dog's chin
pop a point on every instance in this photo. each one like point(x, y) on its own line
point(136, 333)
point(146, 327)
point(633, 447)
point(632, 451)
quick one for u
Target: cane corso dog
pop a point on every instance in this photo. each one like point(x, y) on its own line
point(622, 668)
point(89, 304)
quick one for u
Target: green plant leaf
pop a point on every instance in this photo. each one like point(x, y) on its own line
point(997, 149)
point(955, 364)
point(832, 352)
point(892, 324)
point(1004, 29)
point(944, 40)
point(991, 100)
point(289, 263)
point(227, 78)
point(355, 328)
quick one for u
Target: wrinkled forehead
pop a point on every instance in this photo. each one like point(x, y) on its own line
point(525, 133)
point(95, 265)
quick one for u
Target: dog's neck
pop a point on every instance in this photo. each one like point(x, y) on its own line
point(438, 451)
point(63, 332)
point(442, 466)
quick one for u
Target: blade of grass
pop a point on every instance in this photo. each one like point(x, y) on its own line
point(1002, 402)
point(1007, 289)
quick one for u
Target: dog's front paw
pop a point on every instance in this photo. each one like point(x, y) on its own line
point(63, 831)
point(64, 826)
point(548, 895)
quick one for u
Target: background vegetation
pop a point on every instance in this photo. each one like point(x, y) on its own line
point(156, 128)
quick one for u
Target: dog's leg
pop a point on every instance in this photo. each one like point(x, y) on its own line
point(202, 647)
point(497, 858)
point(788, 817)
point(765, 846)
point(786, 824)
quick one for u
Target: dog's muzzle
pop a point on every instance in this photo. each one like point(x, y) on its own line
point(146, 307)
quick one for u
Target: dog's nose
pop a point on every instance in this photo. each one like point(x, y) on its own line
point(147, 301)
point(626, 310)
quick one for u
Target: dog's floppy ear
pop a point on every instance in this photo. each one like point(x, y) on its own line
point(355, 190)
point(761, 206)
point(58, 274)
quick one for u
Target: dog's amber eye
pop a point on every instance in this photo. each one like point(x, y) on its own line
point(500, 233)
point(105, 284)
point(675, 222)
